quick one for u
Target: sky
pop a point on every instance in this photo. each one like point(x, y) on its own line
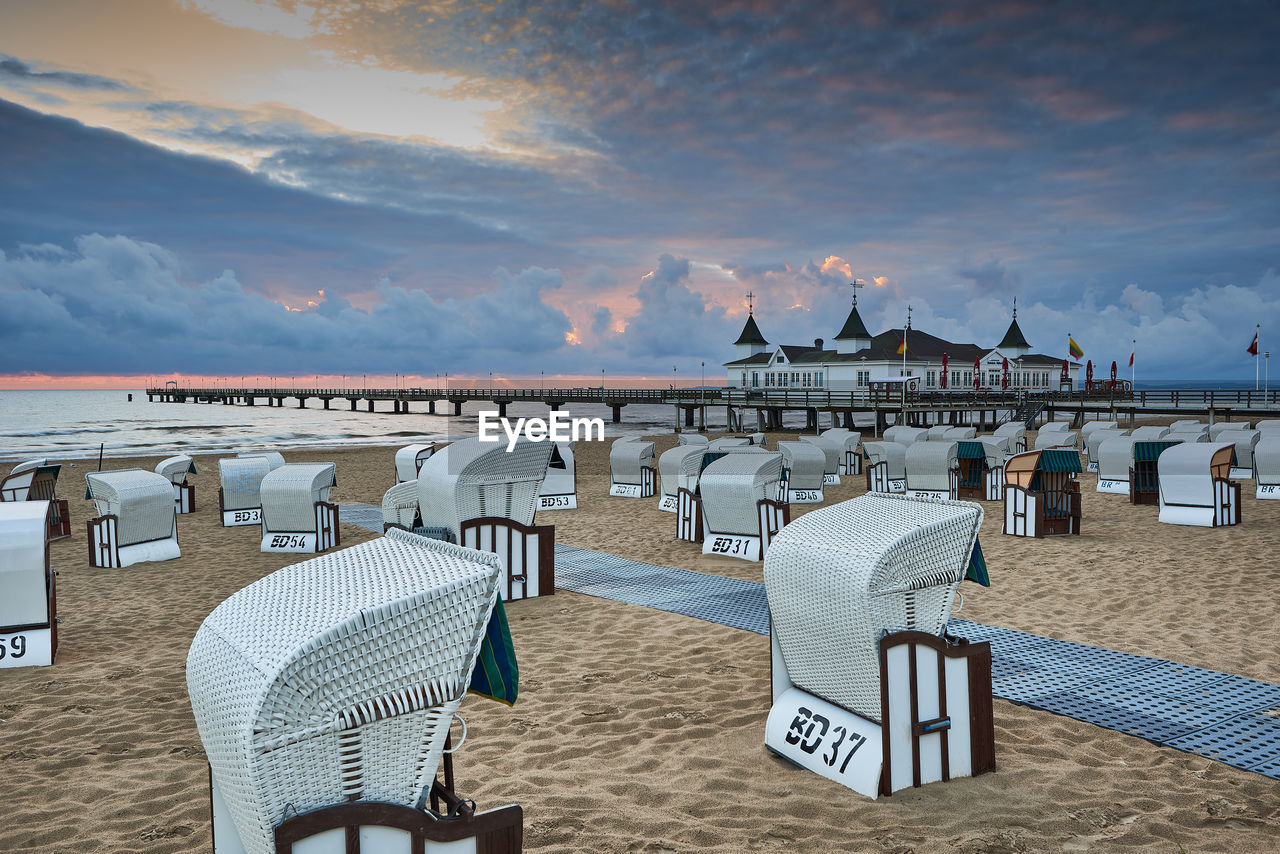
point(221, 188)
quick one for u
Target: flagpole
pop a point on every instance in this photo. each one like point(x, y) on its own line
point(1133, 353)
point(1257, 338)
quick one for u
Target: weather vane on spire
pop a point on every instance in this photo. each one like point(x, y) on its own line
point(855, 284)
point(908, 316)
point(1015, 307)
point(751, 309)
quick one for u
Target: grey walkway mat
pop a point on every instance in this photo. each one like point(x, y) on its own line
point(1220, 716)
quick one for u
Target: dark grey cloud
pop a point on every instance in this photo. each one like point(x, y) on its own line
point(21, 75)
point(674, 321)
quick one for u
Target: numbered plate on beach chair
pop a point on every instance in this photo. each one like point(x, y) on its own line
point(732, 545)
point(236, 518)
point(827, 740)
point(669, 503)
point(27, 648)
point(558, 502)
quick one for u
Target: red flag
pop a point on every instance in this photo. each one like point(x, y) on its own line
point(1131, 358)
point(1253, 348)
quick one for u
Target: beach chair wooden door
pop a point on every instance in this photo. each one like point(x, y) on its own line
point(527, 552)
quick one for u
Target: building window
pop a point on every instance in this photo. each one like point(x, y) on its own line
point(864, 377)
point(744, 379)
point(1046, 379)
point(955, 378)
point(817, 379)
point(755, 379)
point(968, 378)
point(930, 378)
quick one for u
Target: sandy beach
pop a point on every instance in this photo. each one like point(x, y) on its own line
point(642, 731)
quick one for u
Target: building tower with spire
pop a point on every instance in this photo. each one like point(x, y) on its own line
point(1014, 342)
point(853, 336)
point(750, 341)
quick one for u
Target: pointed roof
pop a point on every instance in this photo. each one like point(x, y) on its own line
point(1014, 337)
point(853, 325)
point(750, 332)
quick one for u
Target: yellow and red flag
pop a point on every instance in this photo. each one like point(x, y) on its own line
point(1073, 348)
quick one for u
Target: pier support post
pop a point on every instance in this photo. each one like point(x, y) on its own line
point(457, 407)
point(404, 407)
point(370, 404)
point(431, 407)
point(617, 413)
point(502, 409)
point(302, 403)
point(688, 416)
point(326, 403)
point(702, 419)
point(811, 419)
point(353, 403)
point(248, 401)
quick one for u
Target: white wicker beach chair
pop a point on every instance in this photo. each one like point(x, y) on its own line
point(1187, 424)
point(937, 432)
point(1149, 433)
point(904, 435)
point(274, 458)
point(1245, 441)
point(335, 681)
point(1192, 436)
point(862, 589)
point(719, 444)
point(886, 466)
point(400, 507)
point(958, 434)
point(28, 618)
point(931, 470)
point(692, 439)
point(804, 469)
point(980, 469)
point(137, 520)
point(1015, 436)
point(1054, 427)
point(176, 469)
point(37, 480)
point(739, 507)
point(1094, 442)
point(296, 513)
point(1222, 426)
point(631, 472)
point(1196, 486)
point(832, 453)
point(409, 460)
point(239, 495)
point(1115, 464)
point(1268, 424)
point(1090, 426)
point(1056, 439)
point(757, 439)
point(679, 468)
point(1266, 466)
point(559, 489)
point(485, 497)
point(851, 459)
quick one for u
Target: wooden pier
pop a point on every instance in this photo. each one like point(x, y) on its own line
point(984, 409)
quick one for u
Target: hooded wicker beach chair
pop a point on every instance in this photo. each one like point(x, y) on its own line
point(723, 442)
point(1056, 439)
point(679, 468)
point(1089, 427)
point(1014, 434)
point(959, 434)
point(326, 690)
point(1222, 426)
point(559, 489)
point(176, 469)
point(37, 480)
point(239, 495)
point(631, 472)
point(1188, 424)
point(274, 459)
point(931, 470)
point(28, 618)
point(1196, 486)
point(1094, 441)
point(1041, 493)
point(137, 520)
point(692, 439)
point(1150, 432)
point(296, 513)
point(1054, 427)
point(851, 459)
point(938, 432)
point(904, 435)
point(739, 507)
point(1266, 466)
point(409, 460)
point(483, 496)
point(1115, 464)
point(803, 471)
point(1245, 441)
point(980, 470)
point(886, 466)
point(832, 453)
point(859, 594)
point(1144, 473)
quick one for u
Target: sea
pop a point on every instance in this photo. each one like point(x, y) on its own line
point(76, 425)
